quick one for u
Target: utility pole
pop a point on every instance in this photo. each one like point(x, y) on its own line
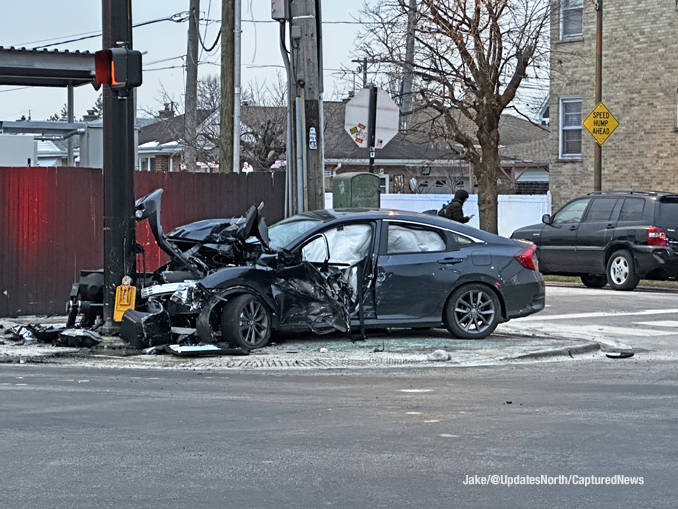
point(118, 118)
point(408, 72)
point(237, 13)
point(227, 86)
point(598, 154)
point(191, 105)
point(306, 30)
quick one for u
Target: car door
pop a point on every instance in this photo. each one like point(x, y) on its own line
point(416, 268)
point(350, 247)
point(558, 240)
point(595, 232)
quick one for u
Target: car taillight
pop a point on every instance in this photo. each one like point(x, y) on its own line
point(656, 236)
point(528, 257)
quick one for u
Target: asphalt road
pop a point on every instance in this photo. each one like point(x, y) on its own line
point(73, 437)
point(83, 438)
point(645, 322)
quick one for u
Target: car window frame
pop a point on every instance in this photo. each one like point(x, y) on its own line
point(299, 247)
point(450, 242)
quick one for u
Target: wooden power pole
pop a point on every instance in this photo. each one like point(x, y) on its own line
point(191, 108)
point(227, 85)
point(306, 37)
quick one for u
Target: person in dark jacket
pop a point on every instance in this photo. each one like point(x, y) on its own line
point(455, 209)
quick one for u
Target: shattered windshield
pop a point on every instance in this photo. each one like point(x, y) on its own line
point(286, 231)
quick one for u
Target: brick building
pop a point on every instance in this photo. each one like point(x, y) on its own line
point(640, 84)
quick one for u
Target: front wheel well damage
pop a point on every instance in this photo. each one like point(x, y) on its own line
point(208, 324)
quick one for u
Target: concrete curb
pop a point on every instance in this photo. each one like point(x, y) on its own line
point(559, 352)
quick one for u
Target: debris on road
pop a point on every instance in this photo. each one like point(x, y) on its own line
point(78, 338)
point(440, 356)
point(619, 355)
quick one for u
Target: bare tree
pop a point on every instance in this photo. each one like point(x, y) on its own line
point(263, 123)
point(470, 58)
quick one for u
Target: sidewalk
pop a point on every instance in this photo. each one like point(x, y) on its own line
point(397, 348)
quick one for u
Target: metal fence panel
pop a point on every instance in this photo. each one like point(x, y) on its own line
point(51, 223)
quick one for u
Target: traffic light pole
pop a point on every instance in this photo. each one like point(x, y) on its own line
point(118, 172)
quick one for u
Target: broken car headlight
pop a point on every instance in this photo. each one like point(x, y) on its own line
point(165, 289)
point(187, 296)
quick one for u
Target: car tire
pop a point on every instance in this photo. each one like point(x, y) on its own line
point(621, 272)
point(594, 280)
point(472, 312)
point(246, 322)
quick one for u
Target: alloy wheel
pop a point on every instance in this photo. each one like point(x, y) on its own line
point(474, 311)
point(619, 270)
point(253, 323)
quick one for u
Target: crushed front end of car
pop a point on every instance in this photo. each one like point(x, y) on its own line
point(222, 277)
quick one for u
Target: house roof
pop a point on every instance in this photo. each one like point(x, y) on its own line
point(166, 130)
point(420, 143)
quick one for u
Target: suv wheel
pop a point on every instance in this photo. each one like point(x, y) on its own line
point(621, 273)
point(594, 280)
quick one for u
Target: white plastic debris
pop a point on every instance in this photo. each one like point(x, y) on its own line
point(323, 350)
point(440, 356)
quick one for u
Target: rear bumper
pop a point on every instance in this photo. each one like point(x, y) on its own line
point(656, 262)
point(526, 297)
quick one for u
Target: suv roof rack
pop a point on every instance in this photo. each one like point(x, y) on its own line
point(644, 193)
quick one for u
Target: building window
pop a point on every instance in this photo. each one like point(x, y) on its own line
point(147, 163)
point(571, 16)
point(383, 183)
point(570, 128)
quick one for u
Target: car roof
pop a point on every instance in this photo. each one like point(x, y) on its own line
point(356, 214)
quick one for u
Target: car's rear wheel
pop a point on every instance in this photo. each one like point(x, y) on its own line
point(594, 280)
point(472, 312)
point(621, 273)
point(246, 322)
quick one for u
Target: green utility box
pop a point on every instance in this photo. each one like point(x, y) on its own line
point(356, 190)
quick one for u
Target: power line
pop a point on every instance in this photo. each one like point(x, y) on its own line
point(179, 17)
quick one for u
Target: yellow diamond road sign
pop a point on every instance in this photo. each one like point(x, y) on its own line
point(600, 123)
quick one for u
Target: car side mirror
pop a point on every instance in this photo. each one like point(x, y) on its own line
point(546, 219)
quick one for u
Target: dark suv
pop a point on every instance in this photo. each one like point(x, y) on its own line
point(614, 237)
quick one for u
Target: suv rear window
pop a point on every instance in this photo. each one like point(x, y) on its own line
point(632, 210)
point(668, 212)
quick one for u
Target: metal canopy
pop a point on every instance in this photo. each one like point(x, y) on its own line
point(43, 68)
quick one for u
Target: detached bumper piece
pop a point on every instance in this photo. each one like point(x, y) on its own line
point(143, 329)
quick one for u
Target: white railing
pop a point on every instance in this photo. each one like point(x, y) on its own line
point(515, 210)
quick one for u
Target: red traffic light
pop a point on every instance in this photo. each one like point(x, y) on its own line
point(118, 67)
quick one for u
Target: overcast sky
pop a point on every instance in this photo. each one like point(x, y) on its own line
point(33, 23)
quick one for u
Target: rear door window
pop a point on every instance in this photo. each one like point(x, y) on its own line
point(632, 210)
point(601, 209)
point(408, 239)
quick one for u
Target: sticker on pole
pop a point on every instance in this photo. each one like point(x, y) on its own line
point(600, 123)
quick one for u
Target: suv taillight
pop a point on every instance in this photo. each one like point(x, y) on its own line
point(656, 236)
point(528, 257)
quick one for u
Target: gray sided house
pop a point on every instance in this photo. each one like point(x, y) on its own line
point(419, 161)
point(640, 85)
point(422, 161)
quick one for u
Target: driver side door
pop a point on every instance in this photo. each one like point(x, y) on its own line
point(558, 240)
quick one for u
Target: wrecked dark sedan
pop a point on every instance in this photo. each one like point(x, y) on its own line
point(337, 270)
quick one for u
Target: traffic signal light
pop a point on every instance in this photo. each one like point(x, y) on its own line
point(118, 67)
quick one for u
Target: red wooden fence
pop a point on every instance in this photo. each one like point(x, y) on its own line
point(51, 223)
